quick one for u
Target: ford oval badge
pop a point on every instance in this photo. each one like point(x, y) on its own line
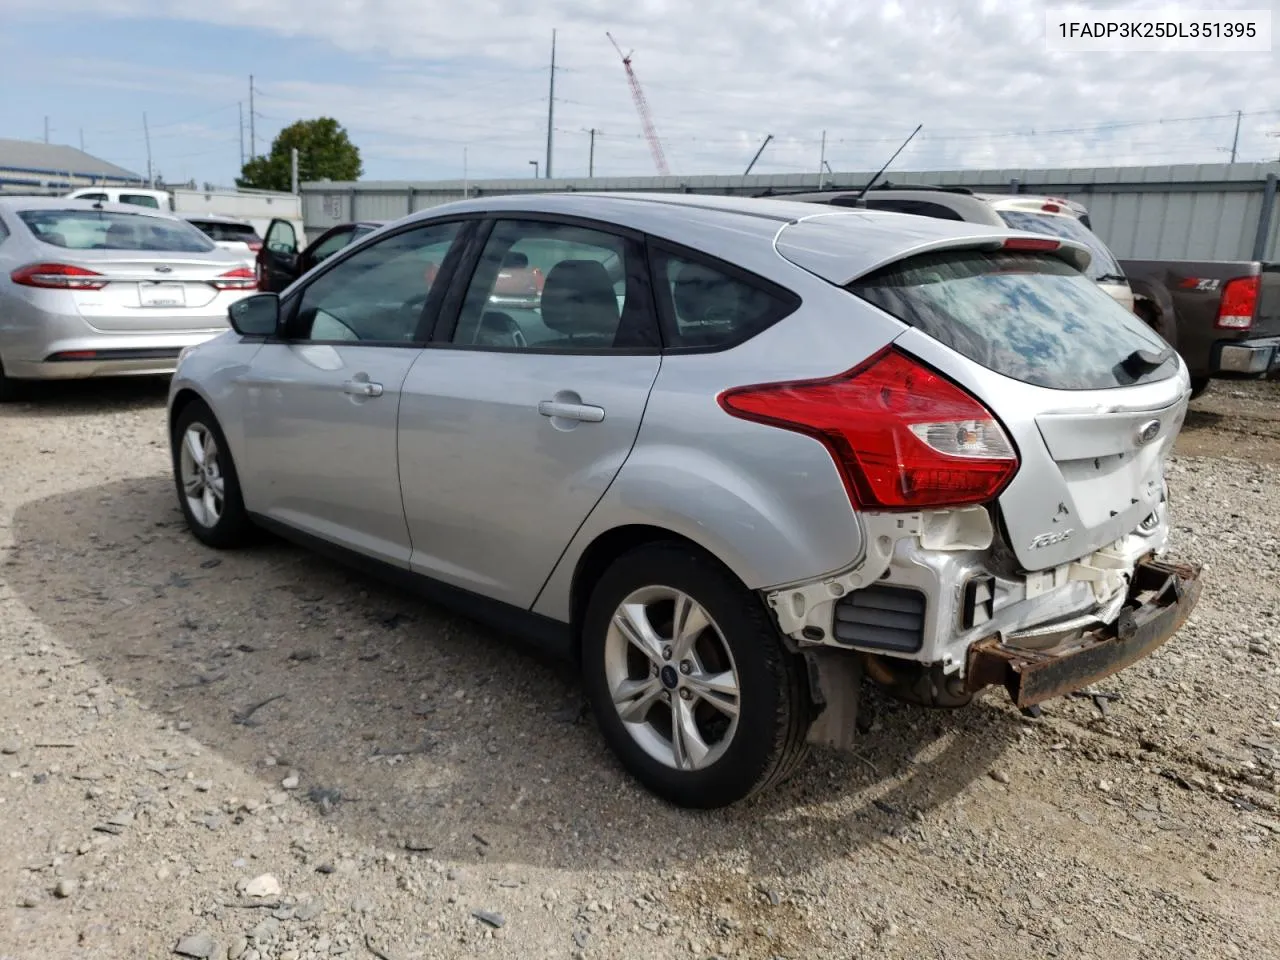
point(1148, 432)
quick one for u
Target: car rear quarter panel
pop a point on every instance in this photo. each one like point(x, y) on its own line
point(767, 502)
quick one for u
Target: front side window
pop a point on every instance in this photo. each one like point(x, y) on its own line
point(108, 230)
point(1028, 316)
point(100, 197)
point(281, 237)
point(706, 307)
point(559, 287)
point(378, 293)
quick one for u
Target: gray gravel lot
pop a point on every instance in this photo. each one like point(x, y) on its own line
point(261, 755)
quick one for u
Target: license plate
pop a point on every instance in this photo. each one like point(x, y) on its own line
point(162, 295)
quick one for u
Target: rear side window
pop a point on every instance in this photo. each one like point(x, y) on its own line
point(919, 208)
point(92, 196)
point(104, 230)
point(1028, 316)
point(140, 200)
point(1103, 266)
point(708, 307)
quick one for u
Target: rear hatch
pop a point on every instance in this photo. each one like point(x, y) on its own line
point(1090, 396)
point(144, 293)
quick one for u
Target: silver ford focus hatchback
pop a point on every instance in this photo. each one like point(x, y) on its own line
point(734, 457)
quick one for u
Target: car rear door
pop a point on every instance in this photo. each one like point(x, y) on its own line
point(321, 404)
point(516, 420)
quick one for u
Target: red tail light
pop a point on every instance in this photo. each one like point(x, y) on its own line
point(242, 278)
point(1239, 303)
point(58, 276)
point(1031, 243)
point(903, 436)
point(254, 245)
point(1050, 208)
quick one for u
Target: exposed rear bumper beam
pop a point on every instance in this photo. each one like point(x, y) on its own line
point(1161, 598)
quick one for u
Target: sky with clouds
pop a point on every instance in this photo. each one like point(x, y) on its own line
point(418, 82)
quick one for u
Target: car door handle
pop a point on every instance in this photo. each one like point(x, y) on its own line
point(571, 411)
point(362, 388)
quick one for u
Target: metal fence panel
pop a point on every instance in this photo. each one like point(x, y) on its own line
point(1192, 211)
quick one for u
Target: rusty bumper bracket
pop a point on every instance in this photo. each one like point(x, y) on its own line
point(1161, 597)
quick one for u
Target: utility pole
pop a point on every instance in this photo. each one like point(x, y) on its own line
point(1235, 141)
point(240, 107)
point(466, 184)
point(46, 129)
point(146, 133)
point(253, 136)
point(551, 103)
point(822, 162)
point(591, 153)
point(534, 164)
point(82, 139)
point(293, 169)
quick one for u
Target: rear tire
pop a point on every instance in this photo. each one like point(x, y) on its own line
point(741, 696)
point(206, 480)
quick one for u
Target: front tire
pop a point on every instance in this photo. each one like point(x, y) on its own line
point(689, 680)
point(206, 479)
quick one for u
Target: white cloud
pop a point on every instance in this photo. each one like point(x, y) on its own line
point(721, 75)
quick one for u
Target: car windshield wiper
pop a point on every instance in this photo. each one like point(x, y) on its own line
point(1112, 278)
point(1144, 361)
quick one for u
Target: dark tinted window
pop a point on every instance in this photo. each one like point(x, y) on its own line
point(378, 293)
point(1028, 316)
point(919, 208)
point(704, 306)
point(92, 196)
point(104, 230)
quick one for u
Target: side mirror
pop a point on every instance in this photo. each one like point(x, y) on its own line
point(256, 316)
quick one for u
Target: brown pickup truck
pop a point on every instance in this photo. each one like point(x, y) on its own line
point(1223, 317)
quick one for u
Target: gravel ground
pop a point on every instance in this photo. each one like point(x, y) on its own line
point(261, 755)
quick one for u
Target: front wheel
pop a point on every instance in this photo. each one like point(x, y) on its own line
point(206, 478)
point(689, 680)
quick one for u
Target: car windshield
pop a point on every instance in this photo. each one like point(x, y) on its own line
point(109, 230)
point(1103, 263)
point(1028, 316)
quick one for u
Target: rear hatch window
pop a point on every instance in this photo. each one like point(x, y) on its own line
point(242, 232)
point(1026, 315)
point(105, 230)
point(1104, 267)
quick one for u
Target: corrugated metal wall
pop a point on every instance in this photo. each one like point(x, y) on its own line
point(1192, 212)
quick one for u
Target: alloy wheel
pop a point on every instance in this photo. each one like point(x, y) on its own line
point(672, 678)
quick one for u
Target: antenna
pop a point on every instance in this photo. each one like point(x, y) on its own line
point(858, 200)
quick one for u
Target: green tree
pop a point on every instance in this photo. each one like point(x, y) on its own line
point(324, 152)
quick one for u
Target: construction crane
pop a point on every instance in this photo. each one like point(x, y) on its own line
point(642, 108)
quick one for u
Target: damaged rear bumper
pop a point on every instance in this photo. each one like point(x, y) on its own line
point(1161, 597)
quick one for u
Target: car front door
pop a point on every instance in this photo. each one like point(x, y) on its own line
point(278, 258)
point(321, 402)
point(517, 418)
